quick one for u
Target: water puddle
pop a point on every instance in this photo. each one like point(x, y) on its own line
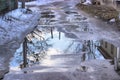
point(71, 12)
point(47, 16)
point(53, 48)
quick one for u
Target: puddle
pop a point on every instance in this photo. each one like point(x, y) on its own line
point(47, 14)
point(71, 12)
point(43, 45)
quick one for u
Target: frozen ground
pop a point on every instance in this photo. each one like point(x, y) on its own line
point(13, 28)
point(89, 70)
point(66, 67)
point(42, 2)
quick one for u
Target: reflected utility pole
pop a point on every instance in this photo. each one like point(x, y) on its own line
point(23, 3)
point(83, 58)
point(59, 35)
point(25, 52)
point(52, 32)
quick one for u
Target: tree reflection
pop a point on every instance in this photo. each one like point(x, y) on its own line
point(37, 47)
point(90, 48)
point(37, 44)
point(86, 48)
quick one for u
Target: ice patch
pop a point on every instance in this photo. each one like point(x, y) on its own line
point(42, 2)
point(14, 23)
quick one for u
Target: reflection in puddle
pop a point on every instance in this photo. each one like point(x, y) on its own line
point(108, 50)
point(47, 14)
point(56, 50)
point(71, 12)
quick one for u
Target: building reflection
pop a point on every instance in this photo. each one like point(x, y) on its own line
point(108, 50)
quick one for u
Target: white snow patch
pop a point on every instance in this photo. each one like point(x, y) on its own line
point(15, 23)
point(42, 2)
point(112, 20)
point(87, 2)
point(19, 14)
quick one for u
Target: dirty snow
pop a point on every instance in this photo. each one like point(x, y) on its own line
point(13, 28)
point(90, 70)
point(42, 2)
point(14, 23)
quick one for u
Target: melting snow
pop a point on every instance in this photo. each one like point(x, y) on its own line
point(87, 2)
point(41, 2)
point(14, 23)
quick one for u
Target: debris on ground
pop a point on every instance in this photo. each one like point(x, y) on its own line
point(102, 11)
